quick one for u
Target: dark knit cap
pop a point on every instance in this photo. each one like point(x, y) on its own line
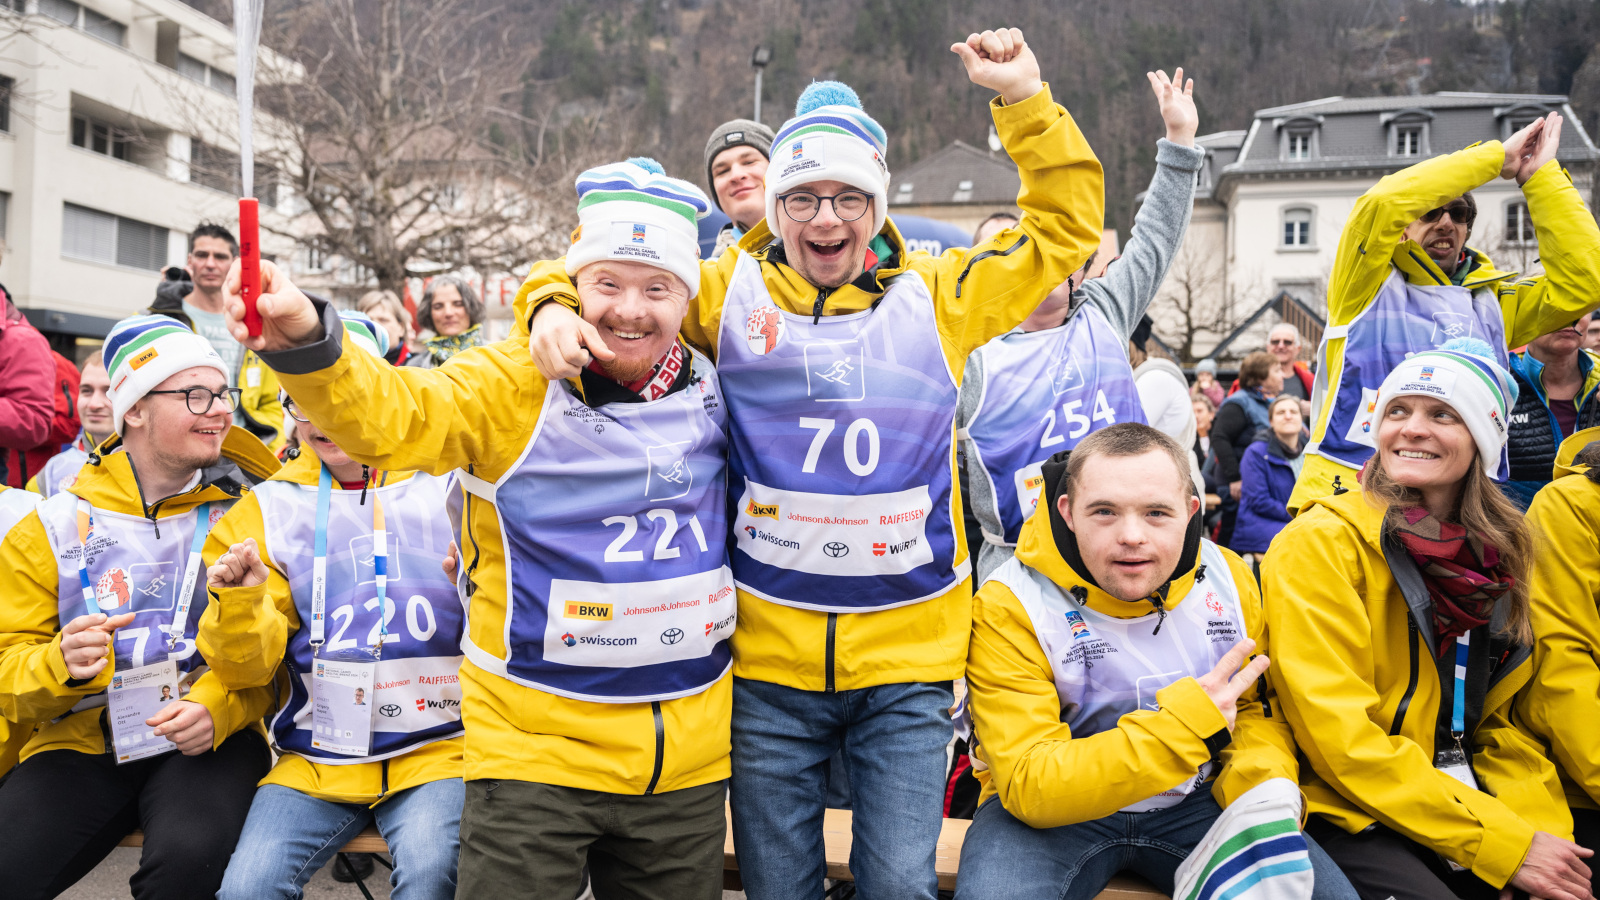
point(735, 133)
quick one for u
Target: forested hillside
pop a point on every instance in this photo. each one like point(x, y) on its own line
point(602, 78)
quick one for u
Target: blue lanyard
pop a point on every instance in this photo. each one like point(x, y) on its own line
point(1458, 712)
point(191, 569)
point(319, 575)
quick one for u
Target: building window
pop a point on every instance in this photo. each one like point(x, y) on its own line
point(1408, 140)
point(6, 87)
point(1519, 228)
point(102, 237)
point(1297, 228)
point(1299, 145)
point(86, 20)
point(200, 73)
point(5, 212)
point(107, 140)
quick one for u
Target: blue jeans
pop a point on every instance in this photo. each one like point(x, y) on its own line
point(1005, 858)
point(893, 738)
point(290, 835)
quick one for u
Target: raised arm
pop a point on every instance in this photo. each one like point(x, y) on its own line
point(984, 291)
point(1132, 280)
point(244, 631)
point(1569, 248)
point(431, 420)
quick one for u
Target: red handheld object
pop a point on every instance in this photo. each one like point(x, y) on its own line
point(250, 262)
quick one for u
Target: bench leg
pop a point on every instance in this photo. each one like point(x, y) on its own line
point(360, 884)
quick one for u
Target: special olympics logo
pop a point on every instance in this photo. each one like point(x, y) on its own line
point(389, 710)
point(671, 636)
point(836, 549)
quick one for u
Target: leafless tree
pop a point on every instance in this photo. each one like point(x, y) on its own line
point(1192, 304)
point(400, 141)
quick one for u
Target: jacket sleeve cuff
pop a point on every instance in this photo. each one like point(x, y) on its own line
point(1041, 107)
point(315, 356)
point(1549, 177)
point(1177, 156)
point(241, 596)
point(1501, 852)
point(1191, 705)
point(57, 664)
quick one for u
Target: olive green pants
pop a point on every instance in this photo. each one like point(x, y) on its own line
point(522, 839)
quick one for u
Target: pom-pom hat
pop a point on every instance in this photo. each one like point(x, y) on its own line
point(632, 211)
point(1464, 374)
point(366, 334)
point(143, 351)
point(830, 138)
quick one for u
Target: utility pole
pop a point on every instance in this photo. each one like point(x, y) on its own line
point(758, 61)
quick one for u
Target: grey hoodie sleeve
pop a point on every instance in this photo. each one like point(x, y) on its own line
point(1124, 293)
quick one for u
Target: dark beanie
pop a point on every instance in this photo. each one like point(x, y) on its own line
point(735, 133)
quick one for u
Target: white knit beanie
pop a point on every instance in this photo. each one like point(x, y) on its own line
point(143, 351)
point(1464, 374)
point(632, 211)
point(830, 138)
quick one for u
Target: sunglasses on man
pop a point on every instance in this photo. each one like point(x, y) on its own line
point(1462, 212)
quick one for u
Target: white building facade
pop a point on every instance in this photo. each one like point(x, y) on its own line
point(118, 138)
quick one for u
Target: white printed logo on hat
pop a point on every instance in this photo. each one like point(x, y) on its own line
point(805, 155)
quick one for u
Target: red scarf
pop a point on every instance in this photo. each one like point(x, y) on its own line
point(658, 382)
point(1461, 571)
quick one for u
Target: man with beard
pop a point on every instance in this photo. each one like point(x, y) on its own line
point(103, 593)
point(596, 693)
point(1404, 280)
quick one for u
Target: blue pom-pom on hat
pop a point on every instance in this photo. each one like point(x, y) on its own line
point(1469, 346)
point(647, 164)
point(826, 93)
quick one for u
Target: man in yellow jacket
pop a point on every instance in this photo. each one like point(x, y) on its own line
point(1112, 711)
point(384, 604)
point(131, 729)
point(596, 691)
point(1404, 280)
point(841, 352)
point(1562, 703)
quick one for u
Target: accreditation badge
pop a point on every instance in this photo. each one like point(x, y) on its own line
point(341, 703)
point(134, 696)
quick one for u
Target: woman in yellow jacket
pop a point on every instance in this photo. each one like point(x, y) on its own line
point(329, 564)
point(1563, 700)
point(1400, 628)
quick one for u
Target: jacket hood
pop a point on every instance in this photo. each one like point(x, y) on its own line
point(1049, 546)
point(1351, 506)
point(109, 481)
point(1566, 454)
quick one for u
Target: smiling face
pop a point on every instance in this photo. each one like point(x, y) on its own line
point(1441, 239)
point(637, 308)
point(94, 400)
point(1424, 445)
point(1130, 515)
point(449, 311)
point(1283, 343)
point(163, 424)
point(826, 251)
point(739, 177)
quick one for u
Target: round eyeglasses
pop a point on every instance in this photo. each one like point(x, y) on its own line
point(200, 399)
point(803, 206)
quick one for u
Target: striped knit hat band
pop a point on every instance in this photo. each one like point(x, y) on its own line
point(143, 351)
point(631, 211)
point(1464, 374)
point(830, 138)
point(366, 334)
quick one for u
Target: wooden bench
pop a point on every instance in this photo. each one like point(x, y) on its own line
point(835, 840)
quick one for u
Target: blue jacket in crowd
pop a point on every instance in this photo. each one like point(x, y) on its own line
point(1267, 476)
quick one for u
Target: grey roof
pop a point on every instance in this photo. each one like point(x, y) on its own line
point(1440, 100)
point(958, 173)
